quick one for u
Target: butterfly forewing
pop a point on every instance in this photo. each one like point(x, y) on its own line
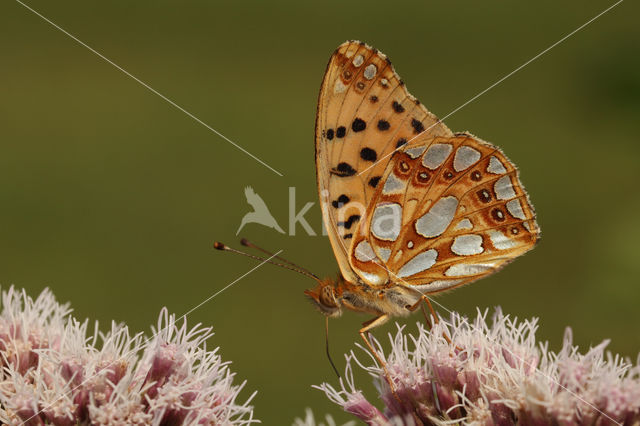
point(449, 210)
point(364, 114)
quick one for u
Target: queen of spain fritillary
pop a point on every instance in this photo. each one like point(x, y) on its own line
point(411, 208)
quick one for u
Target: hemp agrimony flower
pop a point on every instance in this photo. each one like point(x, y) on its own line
point(492, 375)
point(55, 372)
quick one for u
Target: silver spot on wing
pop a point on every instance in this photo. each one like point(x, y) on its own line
point(495, 166)
point(387, 221)
point(503, 188)
point(467, 245)
point(462, 269)
point(465, 157)
point(501, 241)
point(436, 154)
point(515, 208)
point(364, 252)
point(438, 218)
point(370, 71)
point(419, 263)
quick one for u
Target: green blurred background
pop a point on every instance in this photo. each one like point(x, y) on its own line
point(112, 197)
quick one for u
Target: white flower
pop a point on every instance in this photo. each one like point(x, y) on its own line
point(56, 372)
point(493, 374)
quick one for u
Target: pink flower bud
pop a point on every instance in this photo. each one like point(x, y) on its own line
point(365, 411)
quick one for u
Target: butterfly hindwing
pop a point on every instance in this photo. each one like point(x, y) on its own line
point(449, 210)
point(364, 114)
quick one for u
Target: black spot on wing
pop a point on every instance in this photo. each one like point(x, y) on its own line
point(329, 134)
point(352, 219)
point(397, 107)
point(358, 125)
point(401, 141)
point(418, 127)
point(373, 182)
point(383, 125)
point(368, 154)
point(343, 170)
point(341, 201)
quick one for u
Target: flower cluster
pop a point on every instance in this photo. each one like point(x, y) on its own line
point(493, 375)
point(55, 371)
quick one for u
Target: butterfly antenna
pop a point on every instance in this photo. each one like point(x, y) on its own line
point(248, 243)
point(220, 246)
point(326, 334)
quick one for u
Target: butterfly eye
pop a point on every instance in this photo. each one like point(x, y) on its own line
point(328, 299)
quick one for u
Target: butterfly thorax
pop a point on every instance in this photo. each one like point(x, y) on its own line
point(330, 296)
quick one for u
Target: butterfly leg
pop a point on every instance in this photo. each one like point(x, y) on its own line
point(424, 312)
point(364, 333)
point(426, 300)
point(436, 319)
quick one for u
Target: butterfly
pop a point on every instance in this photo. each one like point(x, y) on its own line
point(411, 208)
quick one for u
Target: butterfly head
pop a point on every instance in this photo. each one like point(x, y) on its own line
point(325, 298)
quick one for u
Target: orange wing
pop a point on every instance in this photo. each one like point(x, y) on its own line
point(364, 114)
point(450, 210)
